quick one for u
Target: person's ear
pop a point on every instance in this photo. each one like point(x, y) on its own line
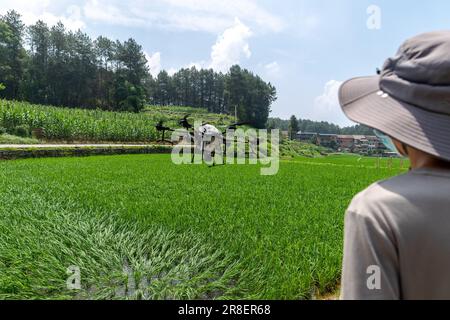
point(401, 147)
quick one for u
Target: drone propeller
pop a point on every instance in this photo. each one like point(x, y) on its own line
point(184, 122)
point(185, 118)
point(160, 126)
point(235, 125)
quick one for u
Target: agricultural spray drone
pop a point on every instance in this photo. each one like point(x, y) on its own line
point(206, 132)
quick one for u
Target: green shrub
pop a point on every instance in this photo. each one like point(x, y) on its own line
point(22, 131)
point(38, 133)
point(9, 139)
point(2, 130)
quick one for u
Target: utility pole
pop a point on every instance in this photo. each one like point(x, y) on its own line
point(235, 114)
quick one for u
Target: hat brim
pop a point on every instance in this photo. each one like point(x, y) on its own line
point(362, 102)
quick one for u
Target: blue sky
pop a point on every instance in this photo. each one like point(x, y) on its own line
point(306, 48)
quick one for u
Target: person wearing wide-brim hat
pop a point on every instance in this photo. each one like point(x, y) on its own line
point(397, 232)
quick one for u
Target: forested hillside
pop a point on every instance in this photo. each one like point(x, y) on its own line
point(55, 66)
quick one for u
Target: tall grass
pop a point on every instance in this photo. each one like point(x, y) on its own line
point(10, 139)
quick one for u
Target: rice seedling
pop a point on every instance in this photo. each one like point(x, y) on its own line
point(139, 227)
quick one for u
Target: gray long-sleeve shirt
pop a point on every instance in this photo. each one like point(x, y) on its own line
point(397, 239)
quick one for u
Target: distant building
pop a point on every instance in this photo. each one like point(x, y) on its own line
point(359, 138)
point(307, 136)
point(375, 142)
point(345, 142)
point(328, 140)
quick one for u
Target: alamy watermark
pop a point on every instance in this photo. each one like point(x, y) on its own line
point(129, 288)
point(206, 144)
point(73, 282)
point(374, 20)
point(374, 278)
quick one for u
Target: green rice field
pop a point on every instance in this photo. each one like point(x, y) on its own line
point(139, 227)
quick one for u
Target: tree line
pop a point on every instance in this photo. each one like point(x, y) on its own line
point(239, 91)
point(294, 125)
point(56, 66)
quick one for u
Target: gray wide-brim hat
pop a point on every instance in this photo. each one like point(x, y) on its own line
point(410, 99)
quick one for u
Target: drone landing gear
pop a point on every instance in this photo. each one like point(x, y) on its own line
point(163, 139)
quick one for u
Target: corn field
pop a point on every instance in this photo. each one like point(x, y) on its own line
point(66, 124)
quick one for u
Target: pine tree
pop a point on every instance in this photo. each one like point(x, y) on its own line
point(12, 54)
point(293, 128)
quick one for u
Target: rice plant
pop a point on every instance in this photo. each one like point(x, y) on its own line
point(139, 227)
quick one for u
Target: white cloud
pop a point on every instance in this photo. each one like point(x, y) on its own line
point(273, 69)
point(329, 99)
point(230, 47)
point(172, 71)
point(327, 107)
point(154, 63)
point(33, 11)
point(210, 16)
point(198, 65)
point(103, 11)
point(246, 10)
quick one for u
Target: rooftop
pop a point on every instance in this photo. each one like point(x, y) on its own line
point(306, 133)
point(339, 136)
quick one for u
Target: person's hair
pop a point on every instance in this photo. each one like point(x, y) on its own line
point(443, 162)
